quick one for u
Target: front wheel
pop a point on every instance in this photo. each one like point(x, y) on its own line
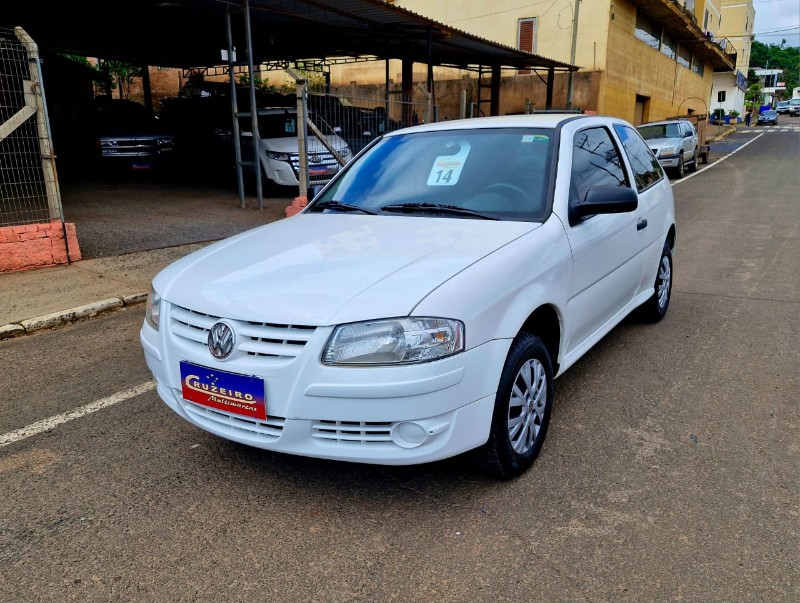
point(655, 308)
point(522, 409)
point(681, 169)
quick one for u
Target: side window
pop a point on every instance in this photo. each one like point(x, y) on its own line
point(646, 168)
point(595, 161)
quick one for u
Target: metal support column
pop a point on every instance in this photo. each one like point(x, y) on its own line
point(548, 103)
point(408, 91)
point(494, 105)
point(253, 106)
point(386, 100)
point(235, 130)
point(572, 51)
point(148, 92)
point(431, 88)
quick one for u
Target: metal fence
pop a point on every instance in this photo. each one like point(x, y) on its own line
point(28, 186)
point(360, 118)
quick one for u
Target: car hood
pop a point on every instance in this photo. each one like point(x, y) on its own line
point(662, 143)
point(289, 145)
point(324, 269)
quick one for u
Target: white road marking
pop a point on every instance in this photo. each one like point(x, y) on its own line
point(51, 422)
point(718, 161)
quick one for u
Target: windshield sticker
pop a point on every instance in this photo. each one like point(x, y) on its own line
point(446, 169)
point(534, 138)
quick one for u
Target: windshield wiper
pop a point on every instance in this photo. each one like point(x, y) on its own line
point(434, 208)
point(345, 207)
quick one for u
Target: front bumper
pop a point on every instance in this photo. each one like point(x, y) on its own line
point(669, 161)
point(381, 415)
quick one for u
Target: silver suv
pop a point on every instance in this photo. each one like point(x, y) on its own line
point(674, 143)
point(794, 107)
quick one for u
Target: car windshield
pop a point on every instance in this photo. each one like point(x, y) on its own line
point(278, 125)
point(660, 131)
point(489, 173)
point(769, 114)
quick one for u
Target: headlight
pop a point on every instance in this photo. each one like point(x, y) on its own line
point(152, 313)
point(394, 341)
point(669, 151)
point(278, 156)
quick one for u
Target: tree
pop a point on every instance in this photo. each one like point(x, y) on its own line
point(121, 74)
point(778, 56)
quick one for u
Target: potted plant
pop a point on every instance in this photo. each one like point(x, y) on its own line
point(718, 115)
point(734, 115)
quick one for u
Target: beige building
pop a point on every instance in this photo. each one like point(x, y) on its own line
point(737, 26)
point(641, 60)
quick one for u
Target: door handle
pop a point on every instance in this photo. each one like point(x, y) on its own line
point(641, 224)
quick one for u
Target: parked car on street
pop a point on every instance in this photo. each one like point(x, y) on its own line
point(794, 107)
point(422, 304)
point(674, 143)
point(782, 107)
point(768, 118)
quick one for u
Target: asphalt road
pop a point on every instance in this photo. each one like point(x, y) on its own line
point(670, 472)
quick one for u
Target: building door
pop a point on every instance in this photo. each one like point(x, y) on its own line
point(641, 110)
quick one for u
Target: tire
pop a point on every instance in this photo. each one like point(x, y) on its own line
point(655, 308)
point(695, 160)
point(522, 409)
point(681, 169)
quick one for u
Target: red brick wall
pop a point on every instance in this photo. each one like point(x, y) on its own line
point(36, 245)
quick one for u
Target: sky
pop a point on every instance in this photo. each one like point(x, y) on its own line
point(775, 15)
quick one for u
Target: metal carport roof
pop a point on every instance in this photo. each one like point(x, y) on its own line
point(187, 33)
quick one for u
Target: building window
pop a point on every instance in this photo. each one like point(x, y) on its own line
point(526, 38)
point(684, 56)
point(721, 96)
point(647, 30)
point(697, 65)
point(668, 45)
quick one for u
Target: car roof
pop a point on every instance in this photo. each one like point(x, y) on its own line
point(663, 122)
point(533, 120)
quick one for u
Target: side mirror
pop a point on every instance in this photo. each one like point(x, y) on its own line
point(603, 200)
point(337, 130)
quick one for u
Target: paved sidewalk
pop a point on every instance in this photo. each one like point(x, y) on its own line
point(36, 299)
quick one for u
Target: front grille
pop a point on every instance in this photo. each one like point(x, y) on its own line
point(132, 147)
point(353, 432)
point(265, 340)
point(268, 430)
point(316, 161)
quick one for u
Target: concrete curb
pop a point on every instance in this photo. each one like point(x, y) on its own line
point(723, 135)
point(56, 319)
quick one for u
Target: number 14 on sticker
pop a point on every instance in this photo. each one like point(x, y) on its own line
point(446, 169)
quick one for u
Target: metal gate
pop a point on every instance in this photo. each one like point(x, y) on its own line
point(29, 192)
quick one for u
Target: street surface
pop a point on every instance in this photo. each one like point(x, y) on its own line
point(670, 471)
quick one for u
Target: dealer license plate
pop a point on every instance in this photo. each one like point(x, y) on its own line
point(141, 166)
point(238, 394)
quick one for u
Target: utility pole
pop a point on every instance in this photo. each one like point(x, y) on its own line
point(572, 51)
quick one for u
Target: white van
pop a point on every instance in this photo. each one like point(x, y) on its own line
point(277, 128)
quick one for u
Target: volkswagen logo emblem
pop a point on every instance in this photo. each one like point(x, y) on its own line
point(221, 340)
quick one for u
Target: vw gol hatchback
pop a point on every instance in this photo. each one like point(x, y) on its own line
point(422, 304)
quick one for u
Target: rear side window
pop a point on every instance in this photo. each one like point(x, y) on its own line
point(595, 161)
point(646, 169)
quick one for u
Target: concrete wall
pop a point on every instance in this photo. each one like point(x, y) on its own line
point(36, 245)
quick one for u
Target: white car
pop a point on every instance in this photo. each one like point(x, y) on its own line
point(675, 144)
point(422, 304)
point(277, 129)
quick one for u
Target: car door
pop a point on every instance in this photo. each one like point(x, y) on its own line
point(653, 189)
point(688, 143)
point(607, 266)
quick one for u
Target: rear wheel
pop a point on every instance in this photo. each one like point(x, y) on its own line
point(522, 409)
